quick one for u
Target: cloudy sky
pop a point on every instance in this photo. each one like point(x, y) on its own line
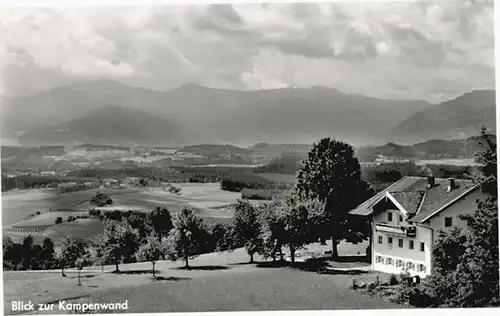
point(410, 50)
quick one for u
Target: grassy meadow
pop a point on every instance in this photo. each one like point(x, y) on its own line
point(216, 282)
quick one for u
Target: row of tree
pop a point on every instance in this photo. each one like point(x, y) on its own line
point(27, 255)
point(181, 236)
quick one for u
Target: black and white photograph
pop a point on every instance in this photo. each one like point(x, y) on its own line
point(248, 156)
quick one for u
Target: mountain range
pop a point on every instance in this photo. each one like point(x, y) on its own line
point(459, 118)
point(108, 112)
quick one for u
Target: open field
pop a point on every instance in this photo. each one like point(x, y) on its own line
point(17, 205)
point(208, 200)
point(48, 218)
point(86, 229)
point(216, 282)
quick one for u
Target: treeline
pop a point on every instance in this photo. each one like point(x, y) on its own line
point(432, 149)
point(27, 255)
point(125, 233)
point(36, 182)
point(30, 182)
point(169, 174)
point(238, 182)
point(283, 165)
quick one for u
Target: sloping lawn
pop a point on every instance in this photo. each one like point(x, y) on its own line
point(217, 282)
point(250, 290)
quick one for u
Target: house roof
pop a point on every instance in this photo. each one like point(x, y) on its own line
point(420, 202)
point(409, 200)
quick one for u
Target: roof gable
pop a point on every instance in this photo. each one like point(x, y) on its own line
point(410, 200)
point(420, 202)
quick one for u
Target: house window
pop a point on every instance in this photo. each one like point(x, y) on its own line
point(422, 246)
point(380, 239)
point(448, 222)
point(399, 263)
point(412, 244)
point(410, 266)
point(379, 259)
point(400, 243)
point(388, 261)
point(390, 240)
point(421, 268)
point(400, 218)
point(389, 216)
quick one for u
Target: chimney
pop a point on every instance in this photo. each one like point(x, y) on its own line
point(451, 184)
point(430, 182)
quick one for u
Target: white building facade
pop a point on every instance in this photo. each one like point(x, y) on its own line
point(407, 216)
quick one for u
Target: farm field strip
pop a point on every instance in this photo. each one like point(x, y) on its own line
point(208, 200)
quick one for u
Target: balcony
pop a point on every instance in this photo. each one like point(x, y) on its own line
point(408, 231)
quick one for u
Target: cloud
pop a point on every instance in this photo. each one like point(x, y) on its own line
point(424, 50)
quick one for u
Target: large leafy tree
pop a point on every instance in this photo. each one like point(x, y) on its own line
point(487, 156)
point(140, 221)
point(151, 251)
point(298, 219)
point(477, 272)
point(84, 260)
point(331, 173)
point(46, 255)
point(245, 227)
point(119, 243)
point(161, 222)
point(272, 230)
point(70, 251)
point(27, 251)
point(187, 237)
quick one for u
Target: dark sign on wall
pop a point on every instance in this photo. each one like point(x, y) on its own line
point(411, 231)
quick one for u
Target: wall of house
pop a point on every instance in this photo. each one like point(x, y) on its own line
point(404, 253)
point(415, 255)
point(466, 205)
point(383, 217)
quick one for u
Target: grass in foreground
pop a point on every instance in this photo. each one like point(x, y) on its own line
point(217, 281)
point(250, 290)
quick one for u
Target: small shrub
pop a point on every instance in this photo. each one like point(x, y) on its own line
point(419, 298)
point(174, 190)
point(393, 280)
point(371, 286)
point(101, 199)
point(58, 220)
point(95, 213)
point(354, 285)
point(251, 194)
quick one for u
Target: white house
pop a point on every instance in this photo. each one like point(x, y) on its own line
point(407, 216)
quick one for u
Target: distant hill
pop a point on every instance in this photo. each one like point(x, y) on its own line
point(459, 118)
point(215, 115)
point(71, 102)
point(432, 149)
point(110, 125)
